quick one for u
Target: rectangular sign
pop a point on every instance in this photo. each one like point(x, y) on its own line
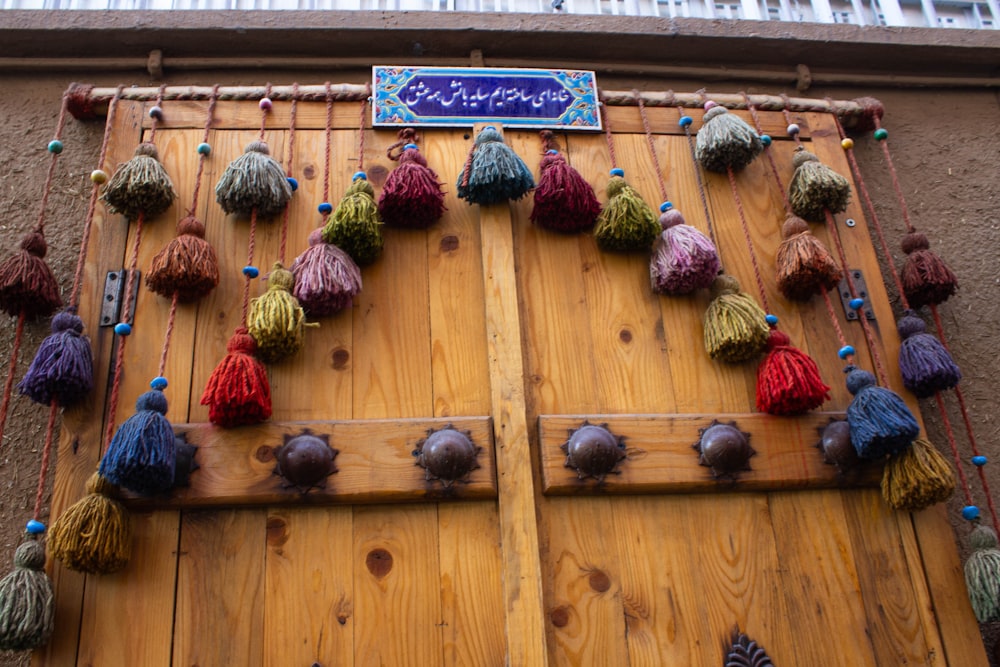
point(464, 96)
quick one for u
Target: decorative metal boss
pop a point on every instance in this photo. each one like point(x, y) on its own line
point(594, 451)
point(724, 449)
point(447, 455)
point(305, 460)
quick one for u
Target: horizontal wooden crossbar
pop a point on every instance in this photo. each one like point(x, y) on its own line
point(661, 457)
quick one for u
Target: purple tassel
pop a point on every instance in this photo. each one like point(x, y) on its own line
point(925, 363)
point(63, 367)
point(684, 259)
point(326, 278)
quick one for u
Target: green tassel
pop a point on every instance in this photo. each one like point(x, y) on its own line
point(735, 326)
point(275, 319)
point(141, 185)
point(815, 188)
point(254, 180)
point(725, 141)
point(355, 226)
point(26, 601)
point(982, 574)
point(917, 478)
point(626, 222)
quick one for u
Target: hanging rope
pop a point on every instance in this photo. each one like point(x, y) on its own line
point(685, 121)
point(291, 161)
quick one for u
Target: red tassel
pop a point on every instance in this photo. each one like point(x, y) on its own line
point(238, 391)
point(187, 265)
point(564, 200)
point(27, 284)
point(412, 195)
point(788, 381)
point(926, 278)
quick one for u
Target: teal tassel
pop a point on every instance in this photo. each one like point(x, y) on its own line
point(494, 173)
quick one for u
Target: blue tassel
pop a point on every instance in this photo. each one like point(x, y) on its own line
point(494, 172)
point(142, 455)
point(880, 422)
point(63, 367)
point(925, 363)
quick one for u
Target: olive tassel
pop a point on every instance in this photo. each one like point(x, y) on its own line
point(142, 454)
point(788, 380)
point(563, 201)
point(27, 284)
point(63, 366)
point(725, 141)
point(804, 265)
point(816, 188)
point(982, 574)
point(927, 280)
point(926, 364)
point(27, 604)
point(411, 196)
point(881, 424)
point(917, 478)
point(493, 173)
point(683, 258)
point(187, 265)
point(254, 180)
point(238, 391)
point(735, 326)
point(326, 278)
point(276, 320)
point(94, 535)
point(355, 226)
point(627, 222)
point(141, 185)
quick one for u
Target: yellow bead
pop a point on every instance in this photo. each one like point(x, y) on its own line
point(847, 143)
point(98, 176)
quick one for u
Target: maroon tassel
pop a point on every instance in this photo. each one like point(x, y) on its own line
point(187, 265)
point(27, 284)
point(412, 195)
point(804, 265)
point(788, 381)
point(564, 200)
point(238, 391)
point(926, 278)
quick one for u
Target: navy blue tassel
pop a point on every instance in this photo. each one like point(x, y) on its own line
point(925, 363)
point(63, 367)
point(880, 422)
point(142, 455)
point(494, 173)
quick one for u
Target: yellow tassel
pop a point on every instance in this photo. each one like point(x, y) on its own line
point(276, 320)
point(917, 477)
point(95, 534)
point(735, 326)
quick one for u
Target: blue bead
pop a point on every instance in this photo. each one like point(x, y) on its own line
point(35, 527)
point(970, 512)
point(293, 183)
point(55, 146)
point(408, 147)
point(251, 271)
point(685, 121)
point(765, 139)
point(666, 206)
point(856, 304)
point(552, 151)
point(159, 382)
point(793, 129)
point(326, 208)
point(771, 319)
point(979, 461)
point(617, 172)
point(156, 113)
point(846, 351)
point(123, 328)
point(359, 175)
point(204, 149)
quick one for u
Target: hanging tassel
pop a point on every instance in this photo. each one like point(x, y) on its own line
point(276, 320)
point(725, 141)
point(816, 188)
point(254, 180)
point(925, 363)
point(412, 195)
point(880, 422)
point(917, 478)
point(982, 574)
point(355, 226)
point(326, 278)
point(94, 535)
point(63, 367)
point(564, 200)
point(27, 604)
point(927, 280)
point(238, 391)
point(788, 380)
point(142, 454)
point(493, 173)
point(683, 259)
point(804, 265)
point(27, 284)
point(627, 222)
point(735, 326)
point(187, 266)
point(141, 185)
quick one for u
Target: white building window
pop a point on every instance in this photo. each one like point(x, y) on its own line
point(728, 11)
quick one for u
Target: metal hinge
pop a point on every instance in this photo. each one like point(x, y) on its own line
point(114, 294)
point(861, 288)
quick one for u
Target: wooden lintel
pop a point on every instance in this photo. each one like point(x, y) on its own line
point(661, 458)
point(375, 464)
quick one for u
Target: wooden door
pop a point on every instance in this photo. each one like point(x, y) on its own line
point(516, 335)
